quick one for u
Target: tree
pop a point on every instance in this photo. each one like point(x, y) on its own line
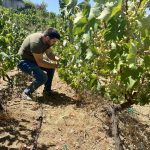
point(29, 4)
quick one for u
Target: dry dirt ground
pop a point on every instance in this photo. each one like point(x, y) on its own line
point(64, 121)
point(67, 122)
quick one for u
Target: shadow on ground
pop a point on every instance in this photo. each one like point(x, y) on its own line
point(55, 99)
point(59, 99)
point(10, 131)
point(136, 134)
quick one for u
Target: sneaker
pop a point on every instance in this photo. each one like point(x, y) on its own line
point(27, 96)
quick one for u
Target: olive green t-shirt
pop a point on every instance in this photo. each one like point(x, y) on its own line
point(32, 44)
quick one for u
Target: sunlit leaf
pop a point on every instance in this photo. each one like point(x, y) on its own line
point(105, 14)
point(131, 83)
point(4, 55)
point(116, 9)
point(80, 26)
point(89, 54)
point(94, 11)
point(78, 17)
point(110, 10)
point(132, 53)
point(85, 7)
point(86, 37)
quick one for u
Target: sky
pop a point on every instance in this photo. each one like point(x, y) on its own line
point(53, 5)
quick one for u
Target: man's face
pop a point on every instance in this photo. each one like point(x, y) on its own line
point(50, 41)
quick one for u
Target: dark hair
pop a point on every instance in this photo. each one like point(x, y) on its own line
point(52, 33)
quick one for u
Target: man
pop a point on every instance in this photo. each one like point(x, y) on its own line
point(32, 62)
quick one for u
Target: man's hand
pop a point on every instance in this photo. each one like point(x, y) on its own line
point(54, 65)
point(42, 63)
point(51, 56)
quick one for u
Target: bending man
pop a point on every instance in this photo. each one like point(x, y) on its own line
point(32, 62)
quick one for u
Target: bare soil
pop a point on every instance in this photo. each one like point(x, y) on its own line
point(64, 121)
point(67, 123)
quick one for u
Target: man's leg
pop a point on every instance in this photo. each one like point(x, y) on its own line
point(50, 75)
point(32, 68)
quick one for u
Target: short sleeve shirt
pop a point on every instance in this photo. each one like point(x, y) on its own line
point(32, 44)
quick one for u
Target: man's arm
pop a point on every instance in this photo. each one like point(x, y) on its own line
point(51, 56)
point(42, 63)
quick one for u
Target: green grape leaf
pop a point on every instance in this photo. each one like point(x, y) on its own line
point(63, 3)
point(132, 53)
point(110, 10)
point(94, 11)
point(4, 55)
point(131, 82)
point(85, 7)
point(116, 9)
point(78, 17)
point(89, 54)
point(80, 26)
point(147, 61)
point(86, 37)
point(105, 14)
